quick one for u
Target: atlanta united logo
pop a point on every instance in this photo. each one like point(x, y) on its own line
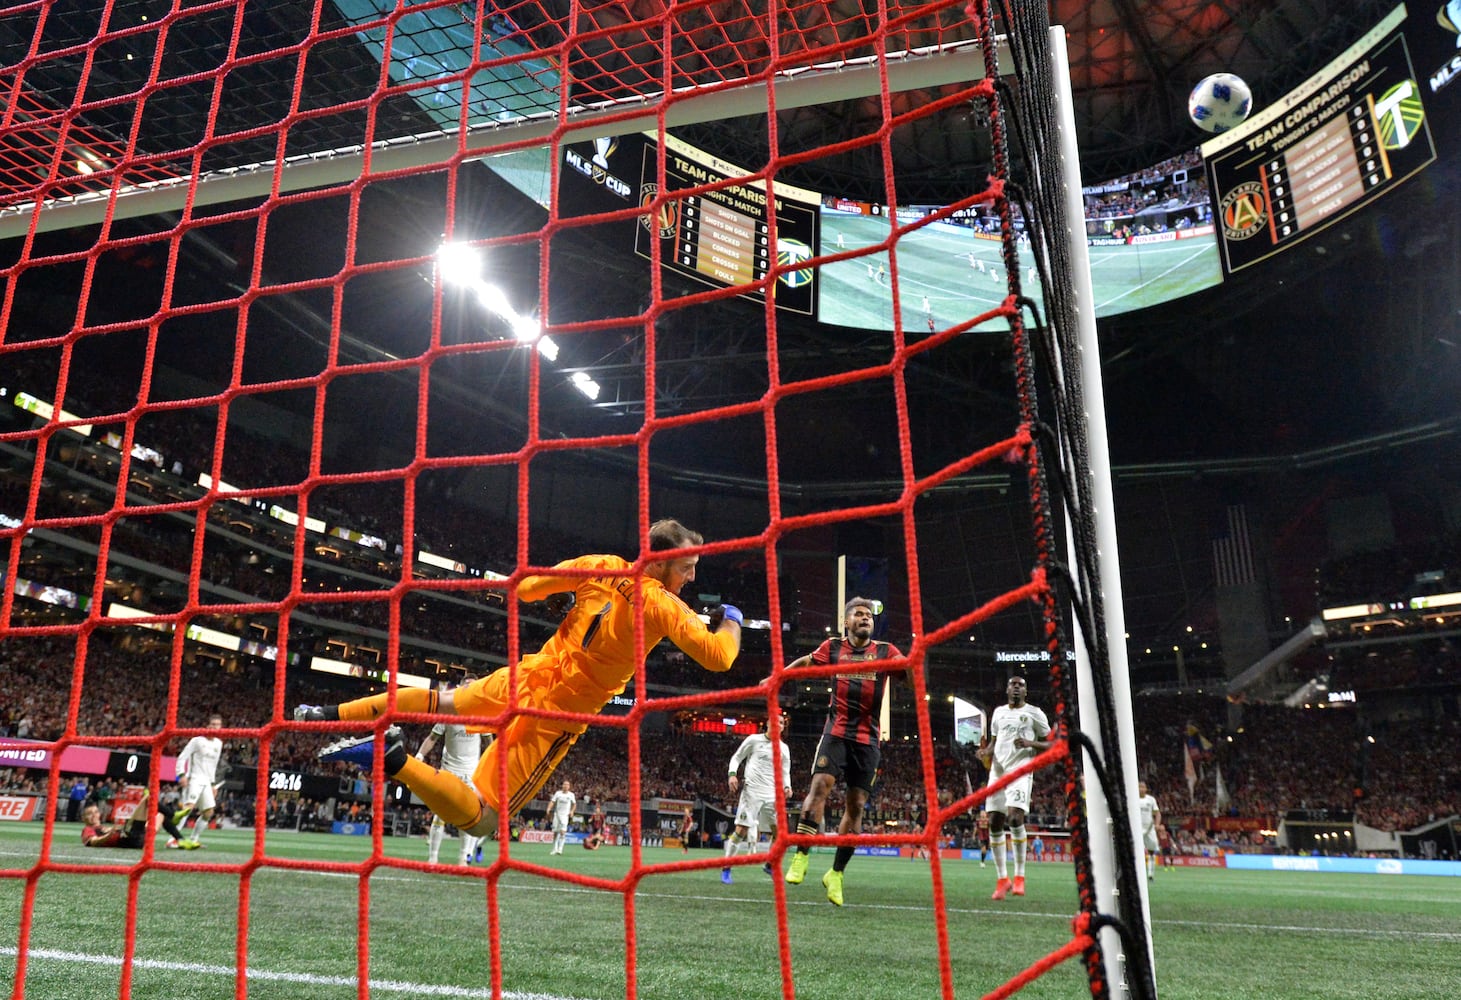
point(1244, 211)
point(668, 221)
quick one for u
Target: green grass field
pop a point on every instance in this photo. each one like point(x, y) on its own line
point(1217, 933)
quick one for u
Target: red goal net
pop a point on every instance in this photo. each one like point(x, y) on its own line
point(326, 323)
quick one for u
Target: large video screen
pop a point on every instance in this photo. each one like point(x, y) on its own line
point(1150, 234)
point(1347, 135)
point(1343, 138)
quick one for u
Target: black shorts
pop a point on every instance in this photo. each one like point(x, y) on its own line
point(850, 761)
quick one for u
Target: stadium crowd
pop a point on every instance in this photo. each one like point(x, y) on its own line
point(1394, 772)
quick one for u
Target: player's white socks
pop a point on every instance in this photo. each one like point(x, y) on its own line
point(1017, 834)
point(469, 847)
point(433, 840)
point(558, 839)
point(996, 845)
point(733, 845)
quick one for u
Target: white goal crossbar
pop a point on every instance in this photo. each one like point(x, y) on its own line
point(911, 70)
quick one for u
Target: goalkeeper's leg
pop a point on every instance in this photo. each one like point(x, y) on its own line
point(533, 749)
point(371, 708)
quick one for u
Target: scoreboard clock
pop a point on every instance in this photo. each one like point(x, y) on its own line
point(286, 781)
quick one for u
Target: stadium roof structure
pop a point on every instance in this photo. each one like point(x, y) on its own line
point(1131, 67)
point(1345, 346)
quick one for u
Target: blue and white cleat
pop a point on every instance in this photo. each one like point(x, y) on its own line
point(360, 751)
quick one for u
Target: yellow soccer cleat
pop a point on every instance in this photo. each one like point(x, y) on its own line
point(832, 882)
point(798, 870)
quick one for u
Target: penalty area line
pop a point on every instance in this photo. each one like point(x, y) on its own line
point(265, 975)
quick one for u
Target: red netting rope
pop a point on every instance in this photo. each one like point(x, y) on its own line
point(708, 44)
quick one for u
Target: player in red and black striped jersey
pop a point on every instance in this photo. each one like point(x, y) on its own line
point(849, 748)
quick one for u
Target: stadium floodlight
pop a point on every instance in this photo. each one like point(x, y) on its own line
point(525, 328)
point(459, 264)
point(530, 328)
point(585, 385)
point(494, 300)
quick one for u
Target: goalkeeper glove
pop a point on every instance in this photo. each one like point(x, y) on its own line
point(721, 612)
point(560, 604)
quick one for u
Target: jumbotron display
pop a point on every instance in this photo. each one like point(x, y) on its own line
point(1347, 135)
point(722, 235)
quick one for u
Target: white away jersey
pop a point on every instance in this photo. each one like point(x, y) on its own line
point(460, 750)
point(760, 779)
point(560, 806)
point(199, 759)
point(1148, 806)
point(1005, 724)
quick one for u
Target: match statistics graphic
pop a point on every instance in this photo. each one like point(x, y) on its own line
point(721, 234)
point(1345, 137)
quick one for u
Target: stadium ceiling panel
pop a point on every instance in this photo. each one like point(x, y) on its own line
point(1132, 64)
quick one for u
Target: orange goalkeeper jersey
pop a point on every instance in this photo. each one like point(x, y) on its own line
point(591, 656)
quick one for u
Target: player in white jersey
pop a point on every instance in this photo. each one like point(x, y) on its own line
point(460, 751)
point(197, 770)
point(560, 808)
point(1016, 735)
point(757, 806)
point(1151, 818)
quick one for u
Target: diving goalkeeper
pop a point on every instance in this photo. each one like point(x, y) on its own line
point(588, 660)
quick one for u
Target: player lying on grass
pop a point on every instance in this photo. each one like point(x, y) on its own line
point(586, 662)
point(132, 833)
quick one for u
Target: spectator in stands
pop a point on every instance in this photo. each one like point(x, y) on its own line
point(75, 798)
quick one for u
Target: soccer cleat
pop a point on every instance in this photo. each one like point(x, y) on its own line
point(181, 815)
point(832, 882)
point(360, 751)
point(725, 876)
point(172, 843)
point(768, 869)
point(1018, 888)
point(798, 870)
point(189, 845)
point(1001, 888)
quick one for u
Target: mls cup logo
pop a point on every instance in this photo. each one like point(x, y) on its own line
point(604, 147)
point(1450, 18)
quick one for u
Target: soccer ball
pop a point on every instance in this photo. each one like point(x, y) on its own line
point(1219, 102)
